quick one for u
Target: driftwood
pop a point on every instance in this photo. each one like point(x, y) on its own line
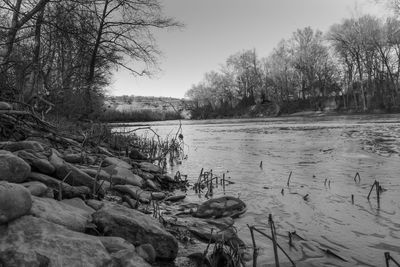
point(67, 191)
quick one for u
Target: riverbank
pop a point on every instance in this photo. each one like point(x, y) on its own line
point(97, 199)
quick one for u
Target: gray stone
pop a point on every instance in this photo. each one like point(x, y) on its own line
point(15, 201)
point(118, 162)
point(34, 242)
point(21, 145)
point(95, 204)
point(12, 168)
point(225, 206)
point(136, 228)
point(122, 175)
point(78, 203)
point(57, 212)
point(114, 244)
point(139, 194)
point(37, 160)
point(150, 167)
point(147, 252)
point(35, 188)
point(73, 158)
point(5, 106)
point(128, 258)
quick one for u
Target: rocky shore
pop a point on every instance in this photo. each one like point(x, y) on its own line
point(63, 204)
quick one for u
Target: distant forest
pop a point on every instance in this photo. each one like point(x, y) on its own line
point(59, 55)
point(353, 67)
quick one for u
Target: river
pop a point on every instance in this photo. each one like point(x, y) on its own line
point(323, 153)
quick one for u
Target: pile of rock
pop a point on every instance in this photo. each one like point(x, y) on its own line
point(49, 211)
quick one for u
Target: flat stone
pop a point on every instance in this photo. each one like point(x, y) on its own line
point(57, 212)
point(36, 188)
point(139, 194)
point(137, 228)
point(15, 201)
point(73, 158)
point(30, 241)
point(122, 175)
point(175, 198)
point(147, 252)
point(12, 168)
point(225, 206)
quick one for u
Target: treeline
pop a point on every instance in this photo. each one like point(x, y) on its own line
point(60, 54)
point(354, 67)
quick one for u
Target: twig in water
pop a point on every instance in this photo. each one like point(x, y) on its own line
point(352, 199)
point(329, 252)
point(273, 235)
point(357, 176)
point(389, 258)
point(290, 239)
point(370, 191)
point(326, 179)
point(261, 164)
point(255, 250)
point(306, 197)
point(288, 180)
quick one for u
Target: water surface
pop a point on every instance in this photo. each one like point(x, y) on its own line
point(315, 149)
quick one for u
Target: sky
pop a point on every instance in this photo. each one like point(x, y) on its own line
point(216, 29)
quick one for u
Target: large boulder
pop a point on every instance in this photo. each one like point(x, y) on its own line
point(34, 242)
point(57, 212)
point(225, 206)
point(37, 160)
point(78, 203)
point(36, 188)
point(21, 145)
point(15, 201)
point(12, 168)
point(137, 228)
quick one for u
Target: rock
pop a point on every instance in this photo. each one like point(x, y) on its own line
point(104, 151)
point(77, 176)
point(153, 185)
point(78, 203)
point(114, 244)
point(147, 252)
point(221, 207)
point(30, 241)
point(60, 213)
point(118, 162)
point(146, 175)
point(188, 262)
point(95, 204)
point(73, 158)
point(37, 160)
point(67, 190)
point(137, 155)
point(44, 142)
point(15, 201)
point(5, 106)
point(137, 228)
point(128, 258)
point(12, 168)
point(21, 145)
point(167, 178)
point(175, 198)
point(35, 188)
point(136, 192)
point(150, 167)
point(122, 175)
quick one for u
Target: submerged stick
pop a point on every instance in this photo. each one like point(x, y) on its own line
point(273, 234)
point(355, 177)
point(261, 165)
point(329, 252)
point(255, 251)
point(389, 258)
point(288, 180)
point(372, 187)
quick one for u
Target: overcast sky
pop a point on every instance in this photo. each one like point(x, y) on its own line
point(216, 29)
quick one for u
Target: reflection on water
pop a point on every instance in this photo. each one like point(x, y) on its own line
point(315, 149)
